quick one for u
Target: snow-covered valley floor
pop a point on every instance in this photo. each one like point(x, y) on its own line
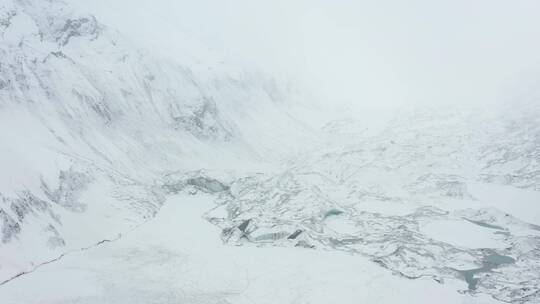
point(178, 258)
point(130, 175)
point(401, 216)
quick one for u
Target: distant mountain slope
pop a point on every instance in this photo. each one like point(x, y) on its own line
point(439, 193)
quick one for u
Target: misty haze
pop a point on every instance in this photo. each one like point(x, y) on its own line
point(269, 152)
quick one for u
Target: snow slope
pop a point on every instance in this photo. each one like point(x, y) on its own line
point(97, 132)
point(178, 258)
point(89, 121)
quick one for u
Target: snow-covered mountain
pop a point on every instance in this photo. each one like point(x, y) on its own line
point(89, 121)
point(99, 134)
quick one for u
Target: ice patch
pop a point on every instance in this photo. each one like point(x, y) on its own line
point(464, 234)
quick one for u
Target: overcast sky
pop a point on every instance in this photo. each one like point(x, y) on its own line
point(379, 53)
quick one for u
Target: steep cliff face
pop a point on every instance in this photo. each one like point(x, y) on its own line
point(89, 120)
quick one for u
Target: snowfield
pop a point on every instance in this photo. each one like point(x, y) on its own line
point(178, 258)
point(127, 176)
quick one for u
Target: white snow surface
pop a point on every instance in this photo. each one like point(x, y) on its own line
point(89, 120)
point(129, 176)
point(463, 233)
point(178, 258)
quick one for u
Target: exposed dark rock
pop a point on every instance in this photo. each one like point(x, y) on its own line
point(71, 185)
point(244, 225)
point(9, 227)
point(295, 234)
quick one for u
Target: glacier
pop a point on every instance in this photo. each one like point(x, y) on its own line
point(131, 177)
